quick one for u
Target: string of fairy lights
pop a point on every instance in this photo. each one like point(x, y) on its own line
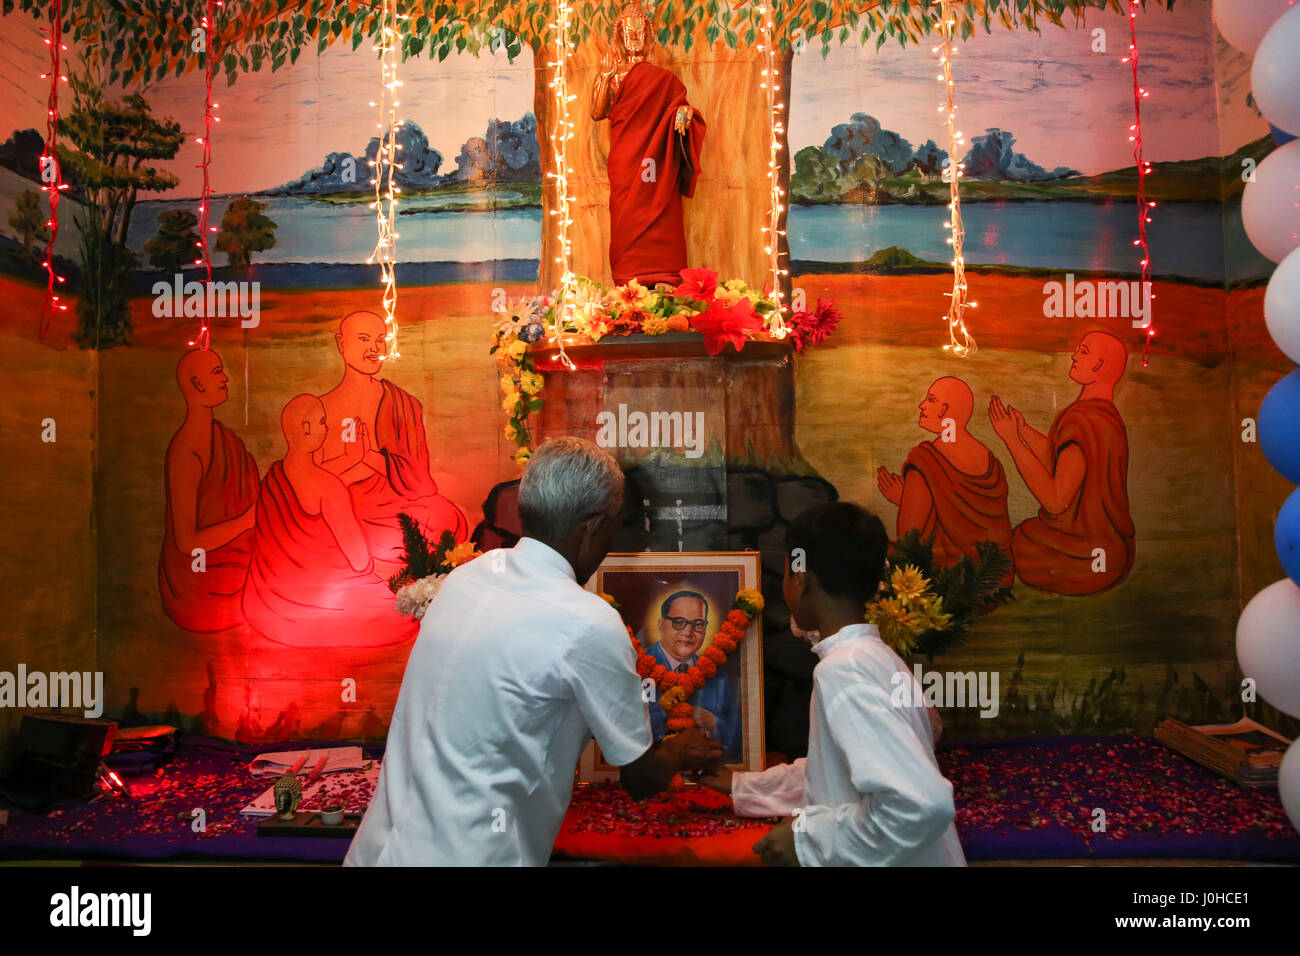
point(1144, 205)
point(960, 341)
point(562, 131)
point(51, 167)
point(207, 22)
point(385, 166)
point(772, 231)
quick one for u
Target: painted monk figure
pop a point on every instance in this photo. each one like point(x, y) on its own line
point(952, 486)
point(311, 581)
point(654, 155)
point(1081, 541)
point(389, 473)
point(211, 490)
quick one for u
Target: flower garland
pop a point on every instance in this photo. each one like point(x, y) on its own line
point(723, 313)
point(680, 714)
point(906, 609)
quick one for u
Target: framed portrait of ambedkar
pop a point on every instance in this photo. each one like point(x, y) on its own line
point(677, 605)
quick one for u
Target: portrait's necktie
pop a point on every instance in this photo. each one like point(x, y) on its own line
point(683, 668)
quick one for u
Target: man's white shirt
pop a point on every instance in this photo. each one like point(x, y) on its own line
point(515, 668)
point(870, 792)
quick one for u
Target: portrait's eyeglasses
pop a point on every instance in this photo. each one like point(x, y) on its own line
point(679, 623)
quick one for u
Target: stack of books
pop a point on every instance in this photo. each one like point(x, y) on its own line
point(1246, 752)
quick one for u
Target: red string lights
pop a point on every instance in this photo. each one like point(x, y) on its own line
point(205, 200)
point(49, 163)
point(1143, 170)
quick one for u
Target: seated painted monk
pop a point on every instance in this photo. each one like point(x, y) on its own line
point(952, 487)
point(1081, 541)
point(211, 489)
point(311, 581)
point(390, 473)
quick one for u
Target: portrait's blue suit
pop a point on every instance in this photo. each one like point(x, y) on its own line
point(718, 697)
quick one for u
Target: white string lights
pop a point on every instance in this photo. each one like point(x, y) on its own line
point(385, 166)
point(960, 341)
point(772, 232)
point(562, 131)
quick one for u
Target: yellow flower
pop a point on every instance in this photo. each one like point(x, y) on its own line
point(654, 325)
point(752, 598)
point(463, 552)
point(735, 285)
point(609, 598)
point(521, 456)
point(729, 296)
point(530, 382)
point(510, 401)
point(908, 583)
point(516, 349)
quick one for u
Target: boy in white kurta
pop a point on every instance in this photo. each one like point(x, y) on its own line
point(870, 792)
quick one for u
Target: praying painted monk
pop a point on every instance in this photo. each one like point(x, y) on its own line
point(1081, 541)
point(311, 581)
point(654, 155)
point(951, 487)
point(389, 471)
point(211, 491)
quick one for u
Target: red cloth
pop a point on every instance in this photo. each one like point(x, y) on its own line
point(964, 509)
point(209, 601)
point(1054, 552)
point(408, 486)
point(301, 591)
point(647, 237)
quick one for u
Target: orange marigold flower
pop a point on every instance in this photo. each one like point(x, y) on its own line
point(715, 654)
point(724, 642)
point(660, 675)
point(682, 710)
point(697, 678)
point(738, 618)
point(707, 667)
point(645, 665)
point(680, 723)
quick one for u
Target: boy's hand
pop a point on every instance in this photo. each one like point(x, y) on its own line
point(777, 847)
point(717, 777)
point(695, 751)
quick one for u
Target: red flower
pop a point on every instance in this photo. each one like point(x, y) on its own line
point(720, 324)
point(738, 619)
point(697, 284)
point(812, 328)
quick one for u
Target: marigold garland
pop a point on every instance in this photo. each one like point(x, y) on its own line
point(678, 687)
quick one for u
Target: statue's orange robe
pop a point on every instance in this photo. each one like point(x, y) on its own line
point(964, 509)
point(647, 236)
point(208, 601)
point(407, 486)
point(301, 591)
point(1055, 551)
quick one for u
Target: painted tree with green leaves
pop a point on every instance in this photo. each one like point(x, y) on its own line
point(177, 243)
point(28, 221)
point(244, 231)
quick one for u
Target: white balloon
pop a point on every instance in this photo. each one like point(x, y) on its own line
point(1243, 23)
point(1268, 644)
point(1270, 207)
point(1275, 76)
point(1288, 782)
point(1282, 306)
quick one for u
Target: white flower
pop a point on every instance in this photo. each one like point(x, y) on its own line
point(414, 599)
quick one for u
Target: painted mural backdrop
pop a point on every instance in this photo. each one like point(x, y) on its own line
point(246, 520)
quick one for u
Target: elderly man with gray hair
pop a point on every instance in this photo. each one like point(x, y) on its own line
point(516, 667)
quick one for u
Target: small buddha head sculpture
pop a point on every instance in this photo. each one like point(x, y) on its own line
point(632, 31)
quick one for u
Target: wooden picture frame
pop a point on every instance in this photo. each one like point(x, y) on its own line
point(643, 583)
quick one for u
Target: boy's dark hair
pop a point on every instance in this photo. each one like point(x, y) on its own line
point(843, 545)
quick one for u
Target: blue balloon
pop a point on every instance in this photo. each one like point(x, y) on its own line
point(1286, 536)
point(1279, 427)
point(1280, 136)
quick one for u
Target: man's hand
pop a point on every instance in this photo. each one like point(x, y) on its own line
point(890, 485)
point(683, 120)
point(716, 777)
point(695, 751)
point(705, 720)
point(777, 847)
point(1005, 420)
